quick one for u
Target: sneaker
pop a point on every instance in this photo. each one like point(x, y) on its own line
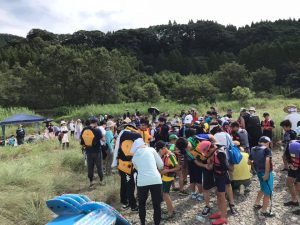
point(136, 209)
point(102, 183)
point(194, 195)
point(257, 207)
point(296, 212)
point(175, 189)
point(219, 222)
point(291, 203)
point(233, 210)
point(242, 189)
point(200, 218)
point(125, 206)
point(200, 197)
point(267, 214)
point(91, 184)
point(167, 216)
point(205, 211)
point(183, 193)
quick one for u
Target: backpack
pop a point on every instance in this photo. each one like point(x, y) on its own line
point(233, 153)
point(88, 137)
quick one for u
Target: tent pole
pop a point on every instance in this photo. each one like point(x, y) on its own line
point(3, 134)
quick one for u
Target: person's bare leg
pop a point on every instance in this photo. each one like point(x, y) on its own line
point(206, 197)
point(266, 201)
point(222, 205)
point(169, 204)
point(229, 193)
point(290, 183)
point(260, 194)
point(199, 187)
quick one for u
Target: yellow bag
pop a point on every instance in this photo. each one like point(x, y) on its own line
point(125, 166)
point(88, 137)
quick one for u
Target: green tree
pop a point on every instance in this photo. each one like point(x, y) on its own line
point(263, 79)
point(242, 94)
point(231, 75)
point(152, 92)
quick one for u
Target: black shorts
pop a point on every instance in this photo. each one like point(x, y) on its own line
point(195, 173)
point(208, 179)
point(293, 173)
point(222, 181)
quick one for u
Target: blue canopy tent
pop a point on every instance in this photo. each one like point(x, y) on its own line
point(20, 119)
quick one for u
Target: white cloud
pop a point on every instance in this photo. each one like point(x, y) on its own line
point(68, 16)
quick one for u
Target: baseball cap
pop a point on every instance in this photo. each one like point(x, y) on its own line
point(173, 137)
point(201, 118)
point(264, 139)
point(188, 119)
point(229, 110)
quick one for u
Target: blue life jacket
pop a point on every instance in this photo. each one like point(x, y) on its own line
point(294, 149)
point(258, 154)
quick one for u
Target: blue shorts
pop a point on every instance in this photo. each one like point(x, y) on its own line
point(266, 186)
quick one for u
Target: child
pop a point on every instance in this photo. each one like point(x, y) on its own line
point(207, 149)
point(288, 136)
point(261, 157)
point(221, 168)
point(292, 157)
point(267, 126)
point(186, 147)
point(168, 173)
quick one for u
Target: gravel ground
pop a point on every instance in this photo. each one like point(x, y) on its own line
point(186, 209)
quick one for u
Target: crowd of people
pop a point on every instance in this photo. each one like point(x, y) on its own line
point(189, 153)
point(206, 152)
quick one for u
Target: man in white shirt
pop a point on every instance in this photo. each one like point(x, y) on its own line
point(148, 163)
point(293, 116)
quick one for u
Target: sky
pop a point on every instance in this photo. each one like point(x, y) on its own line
point(67, 16)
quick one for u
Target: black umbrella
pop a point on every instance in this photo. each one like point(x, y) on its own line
point(153, 111)
point(47, 120)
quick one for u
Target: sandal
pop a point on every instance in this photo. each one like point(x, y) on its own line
point(215, 216)
point(220, 222)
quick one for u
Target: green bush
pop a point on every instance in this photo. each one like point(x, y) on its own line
point(74, 162)
point(242, 94)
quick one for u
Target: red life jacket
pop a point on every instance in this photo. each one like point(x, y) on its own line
point(266, 125)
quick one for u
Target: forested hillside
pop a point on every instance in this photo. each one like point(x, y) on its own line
point(191, 62)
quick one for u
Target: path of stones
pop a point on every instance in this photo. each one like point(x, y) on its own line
point(187, 209)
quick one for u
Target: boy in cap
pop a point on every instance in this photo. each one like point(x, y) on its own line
point(261, 157)
point(168, 174)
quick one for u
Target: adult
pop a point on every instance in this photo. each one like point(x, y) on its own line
point(64, 135)
point(110, 142)
point(148, 163)
point(78, 129)
point(72, 128)
point(123, 160)
point(253, 127)
point(229, 113)
point(162, 131)
point(292, 116)
point(90, 140)
point(20, 135)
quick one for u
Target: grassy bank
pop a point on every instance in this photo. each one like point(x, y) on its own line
point(273, 106)
point(31, 174)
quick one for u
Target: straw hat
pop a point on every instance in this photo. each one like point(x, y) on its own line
point(290, 108)
point(62, 122)
point(110, 124)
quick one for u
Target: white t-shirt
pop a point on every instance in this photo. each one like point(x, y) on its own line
point(147, 162)
point(294, 117)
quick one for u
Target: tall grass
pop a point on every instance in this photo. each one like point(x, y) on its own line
point(31, 174)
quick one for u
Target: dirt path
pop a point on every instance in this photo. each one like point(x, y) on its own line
point(187, 209)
